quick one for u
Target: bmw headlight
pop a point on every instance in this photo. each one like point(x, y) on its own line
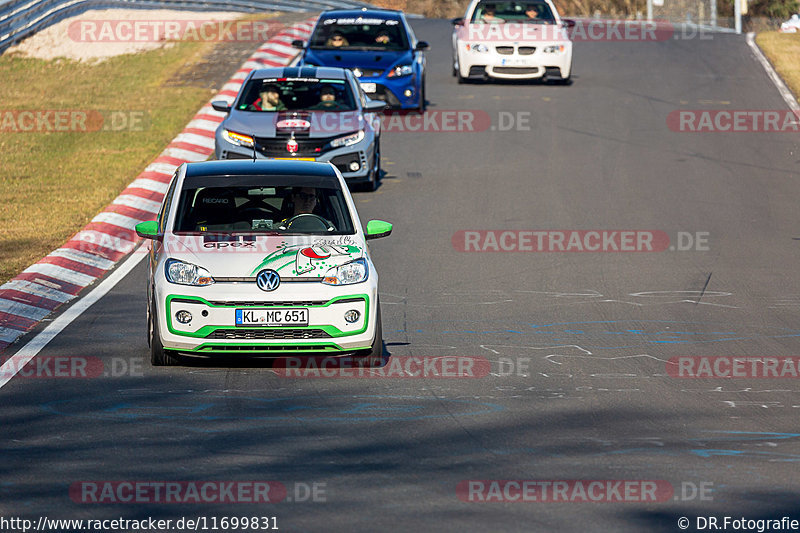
point(347, 274)
point(400, 70)
point(348, 140)
point(238, 139)
point(477, 47)
point(554, 49)
point(186, 273)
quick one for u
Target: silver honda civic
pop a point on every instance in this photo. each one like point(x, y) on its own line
point(304, 114)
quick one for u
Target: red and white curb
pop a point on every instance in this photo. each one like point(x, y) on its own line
point(58, 278)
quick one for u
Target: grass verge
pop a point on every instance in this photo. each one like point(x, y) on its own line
point(54, 182)
point(782, 50)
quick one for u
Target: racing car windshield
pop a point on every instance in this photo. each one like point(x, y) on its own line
point(359, 33)
point(247, 207)
point(296, 94)
point(531, 12)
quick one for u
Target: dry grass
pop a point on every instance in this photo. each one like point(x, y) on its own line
point(53, 183)
point(783, 49)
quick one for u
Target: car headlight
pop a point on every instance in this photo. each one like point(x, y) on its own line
point(554, 49)
point(477, 47)
point(348, 140)
point(186, 273)
point(238, 139)
point(347, 274)
point(400, 70)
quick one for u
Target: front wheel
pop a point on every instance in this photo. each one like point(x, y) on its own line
point(158, 355)
point(374, 356)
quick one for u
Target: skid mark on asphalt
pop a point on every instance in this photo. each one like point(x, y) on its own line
point(212, 413)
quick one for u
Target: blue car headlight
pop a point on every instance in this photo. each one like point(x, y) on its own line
point(347, 274)
point(348, 140)
point(400, 70)
point(183, 273)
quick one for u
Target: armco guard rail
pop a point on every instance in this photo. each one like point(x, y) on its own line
point(21, 18)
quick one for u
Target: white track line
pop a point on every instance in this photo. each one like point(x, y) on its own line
point(787, 95)
point(16, 362)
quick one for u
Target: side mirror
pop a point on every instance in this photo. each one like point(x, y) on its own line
point(459, 21)
point(422, 45)
point(297, 43)
point(569, 23)
point(377, 229)
point(148, 230)
point(221, 105)
point(376, 106)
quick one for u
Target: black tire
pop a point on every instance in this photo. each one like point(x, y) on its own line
point(375, 173)
point(421, 107)
point(158, 355)
point(377, 162)
point(374, 356)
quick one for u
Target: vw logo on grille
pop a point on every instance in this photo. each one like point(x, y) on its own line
point(268, 280)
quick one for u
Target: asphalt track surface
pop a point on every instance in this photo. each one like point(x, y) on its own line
point(594, 329)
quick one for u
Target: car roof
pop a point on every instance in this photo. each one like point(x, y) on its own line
point(386, 13)
point(260, 167)
point(335, 73)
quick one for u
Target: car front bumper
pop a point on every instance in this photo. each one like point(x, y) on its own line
point(213, 329)
point(362, 152)
point(392, 91)
point(515, 66)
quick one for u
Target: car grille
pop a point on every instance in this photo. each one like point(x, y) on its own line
point(276, 147)
point(477, 70)
point(370, 73)
point(515, 70)
point(505, 50)
point(252, 334)
point(526, 50)
point(384, 94)
point(266, 348)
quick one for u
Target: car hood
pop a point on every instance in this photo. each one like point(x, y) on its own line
point(315, 123)
point(355, 58)
point(290, 256)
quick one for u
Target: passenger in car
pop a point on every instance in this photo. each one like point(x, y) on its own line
point(327, 100)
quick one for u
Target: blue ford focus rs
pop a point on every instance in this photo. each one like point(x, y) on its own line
point(380, 48)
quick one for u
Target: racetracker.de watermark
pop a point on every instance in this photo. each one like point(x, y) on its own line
point(397, 367)
point(580, 491)
point(584, 30)
point(183, 492)
point(124, 31)
point(734, 121)
point(731, 367)
point(71, 367)
point(599, 240)
point(400, 121)
point(72, 120)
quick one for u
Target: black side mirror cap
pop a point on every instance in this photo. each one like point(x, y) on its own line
point(221, 105)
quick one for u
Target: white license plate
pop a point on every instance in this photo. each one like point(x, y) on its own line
point(369, 87)
point(515, 62)
point(272, 317)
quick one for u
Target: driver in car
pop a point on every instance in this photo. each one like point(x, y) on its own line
point(305, 201)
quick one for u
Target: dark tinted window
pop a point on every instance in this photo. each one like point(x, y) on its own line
point(360, 33)
point(263, 209)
